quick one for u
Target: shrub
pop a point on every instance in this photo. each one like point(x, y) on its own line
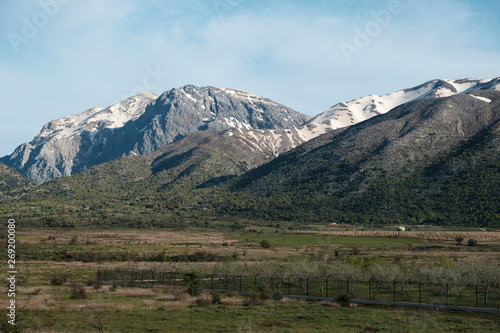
point(472, 242)
point(203, 302)
point(344, 300)
point(78, 291)
point(258, 294)
point(278, 296)
point(216, 298)
point(73, 240)
point(265, 244)
point(58, 279)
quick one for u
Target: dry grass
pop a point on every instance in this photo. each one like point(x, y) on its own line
point(134, 292)
point(124, 237)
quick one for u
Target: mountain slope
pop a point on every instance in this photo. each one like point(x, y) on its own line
point(358, 110)
point(141, 125)
point(10, 181)
point(201, 159)
point(403, 163)
point(70, 144)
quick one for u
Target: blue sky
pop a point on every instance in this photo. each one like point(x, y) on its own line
point(61, 57)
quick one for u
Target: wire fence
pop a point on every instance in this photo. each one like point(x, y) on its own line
point(424, 292)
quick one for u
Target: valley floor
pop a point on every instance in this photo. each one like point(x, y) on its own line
point(58, 291)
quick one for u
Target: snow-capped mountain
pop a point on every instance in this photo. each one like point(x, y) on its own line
point(96, 119)
point(144, 123)
point(346, 114)
point(361, 109)
point(140, 125)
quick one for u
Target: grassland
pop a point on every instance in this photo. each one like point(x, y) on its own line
point(77, 254)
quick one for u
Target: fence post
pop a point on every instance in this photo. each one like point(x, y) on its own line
point(477, 295)
point(240, 282)
point(307, 286)
point(289, 284)
point(447, 293)
point(394, 291)
point(327, 287)
point(370, 290)
point(420, 292)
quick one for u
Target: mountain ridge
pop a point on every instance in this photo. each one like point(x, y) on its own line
point(141, 125)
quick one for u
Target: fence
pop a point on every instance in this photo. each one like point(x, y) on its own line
point(311, 286)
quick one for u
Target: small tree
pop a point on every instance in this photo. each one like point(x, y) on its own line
point(193, 278)
point(94, 319)
point(459, 240)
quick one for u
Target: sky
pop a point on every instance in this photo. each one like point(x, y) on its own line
point(62, 57)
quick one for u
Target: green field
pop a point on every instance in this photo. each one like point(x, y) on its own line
point(76, 255)
point(322, 240)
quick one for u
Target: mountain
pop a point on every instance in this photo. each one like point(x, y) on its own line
point(201, 159)
point(141, 125)
point(350, 113)
point(68, 145)
point(11, 180)
point(432, 159)
point(342, 115)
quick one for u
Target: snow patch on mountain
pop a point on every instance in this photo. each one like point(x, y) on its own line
point(96, 119)
point(355, 111)
point(484, 99)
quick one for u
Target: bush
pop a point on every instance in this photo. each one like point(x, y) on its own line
point(472, 242)
point(203, 302)
point(216, 298)
point(344, 300)
point(278, 296)
point(259, 294)
point(58, 279)
point(265, 244)
point(73, 240)
point(78, 291)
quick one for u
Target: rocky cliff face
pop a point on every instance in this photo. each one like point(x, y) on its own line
point(141, 125)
